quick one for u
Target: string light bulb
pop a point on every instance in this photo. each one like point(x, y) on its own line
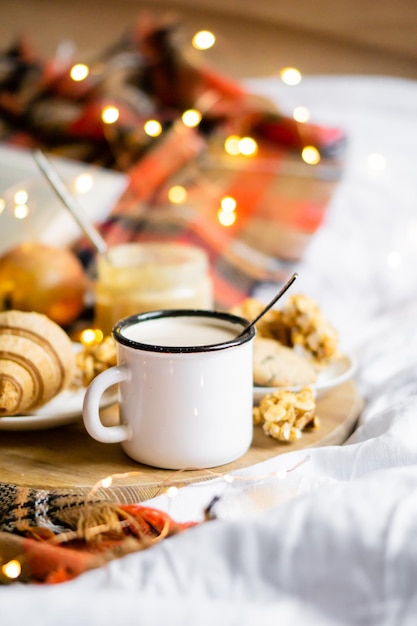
point(248, 146)
point(228, 203)
point(191, 118)
point(12, 569)
point(226, 218)
point(21, 197)
point(177, 194)
point(107, 482)
point(301, 114)
point(21, 211)
point(290, 76)
point(83, 183)
point(203, 40)
point(172, 491)
point(235, 145)
point(231, 145)
point(310, 155)
point(91, 336)
point(153, 128)
point(79, 72)
point(110, 114)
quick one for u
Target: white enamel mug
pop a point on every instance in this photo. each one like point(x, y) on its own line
point(185, 389)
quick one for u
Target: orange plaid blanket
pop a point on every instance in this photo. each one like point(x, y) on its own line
point(280, 200)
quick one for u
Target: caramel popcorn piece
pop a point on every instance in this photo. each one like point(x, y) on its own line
point(309, 328)
point(299, 322)
point(285, 414)
point(95, 358)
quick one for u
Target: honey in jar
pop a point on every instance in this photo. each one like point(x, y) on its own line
point(138, 277)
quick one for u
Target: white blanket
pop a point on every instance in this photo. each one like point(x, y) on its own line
point(326, 536)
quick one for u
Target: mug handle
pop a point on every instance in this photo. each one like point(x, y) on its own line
point(91, 406)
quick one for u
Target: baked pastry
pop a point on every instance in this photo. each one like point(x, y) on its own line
point(37, 361)
point(275, 365)
point(298, 323)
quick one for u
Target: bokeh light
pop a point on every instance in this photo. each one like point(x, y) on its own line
point(228, 203)
point(177, 194)
point(83, 183)
point(191, 118)
point(79, 72)
point(248, 146)
point(12, 569)
point(231, 145)
point(290, 76)
point(203, 40)
point(110, 114)
point(153, 128)
point(21, 211)
point(301, 114)
point(310, 155)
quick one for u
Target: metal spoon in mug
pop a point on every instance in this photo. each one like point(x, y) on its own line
point(69, 202)
point(271, 303)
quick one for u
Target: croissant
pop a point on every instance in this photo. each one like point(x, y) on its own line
point(37, 361)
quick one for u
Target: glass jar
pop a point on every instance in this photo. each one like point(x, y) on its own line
point(138, 277)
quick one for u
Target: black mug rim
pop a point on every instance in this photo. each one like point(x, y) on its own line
point(240, 339)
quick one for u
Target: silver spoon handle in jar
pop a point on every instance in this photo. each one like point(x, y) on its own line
point(69, 202)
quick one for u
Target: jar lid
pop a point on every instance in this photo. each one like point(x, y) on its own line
point(151, 265)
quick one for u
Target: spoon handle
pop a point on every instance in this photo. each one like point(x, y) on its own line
point(77, 212)
point(273, 301)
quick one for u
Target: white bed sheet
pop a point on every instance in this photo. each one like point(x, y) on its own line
point(334, 540)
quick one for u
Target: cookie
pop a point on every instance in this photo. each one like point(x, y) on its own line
point(275, 365)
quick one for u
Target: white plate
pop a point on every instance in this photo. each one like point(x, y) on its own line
point(65, 408)
point(337, 372)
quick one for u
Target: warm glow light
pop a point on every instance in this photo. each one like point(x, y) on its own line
point(191, 118)
point(172, 491)
point(177, 194)
point(83, 183)
point(394, 259)
point(2, 205)
point(110, 114)
point(79, 72)
point(310, 155)
point(301, 114)
point(21, 211)
point(21, 197)
point(107, 482)
point(248, 146)
point(90, 336)
point(228, 203)
point(226, 218)
point(231, 145)
point(290, 76)
point(12, 569)
point(153, 128)
point(203, 40)
point(377, 162)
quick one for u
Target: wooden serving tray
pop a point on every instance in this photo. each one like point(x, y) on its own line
point(67, 459)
